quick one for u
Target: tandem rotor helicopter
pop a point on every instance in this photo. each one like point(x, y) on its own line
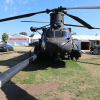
point(56, 40)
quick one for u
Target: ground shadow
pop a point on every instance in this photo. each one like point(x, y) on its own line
point(14, 92)
point(88, 63)
point(44, 64)
point(10, 52)
point(35, 65)
point(13, 61)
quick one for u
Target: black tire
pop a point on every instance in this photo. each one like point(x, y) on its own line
point(72, 58)
point(35, 49)
point(12, 49)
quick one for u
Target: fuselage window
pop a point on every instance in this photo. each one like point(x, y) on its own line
point(57, 21)
point(68, 35)
point(57, 34)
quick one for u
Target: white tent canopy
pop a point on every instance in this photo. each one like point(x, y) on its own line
point(85, 37)
point(36, 36)
point(19, 40)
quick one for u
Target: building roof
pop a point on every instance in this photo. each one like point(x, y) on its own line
point(85, 37)
point(19, 36)
point(36, 36)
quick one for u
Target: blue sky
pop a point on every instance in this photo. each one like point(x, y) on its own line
point(9, 8)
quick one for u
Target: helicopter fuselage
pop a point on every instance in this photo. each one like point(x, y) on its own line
point(56, 41)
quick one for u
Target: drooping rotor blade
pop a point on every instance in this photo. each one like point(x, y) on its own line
point(89, 7)
point(35, 21)
point(79, 20)
point(79, 26)
point(21, 16)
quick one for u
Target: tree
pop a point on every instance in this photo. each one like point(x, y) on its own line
point(4, 37)
point(31, 35)
point(23, 33)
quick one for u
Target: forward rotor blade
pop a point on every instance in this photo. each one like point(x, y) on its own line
point(79, 20)
point(35, 21)
point(89, 7)
point(21, 16)
point(79, 26)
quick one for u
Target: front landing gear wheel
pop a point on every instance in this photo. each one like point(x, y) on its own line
point(72, 58)
point(69, 57)
point(76, 58)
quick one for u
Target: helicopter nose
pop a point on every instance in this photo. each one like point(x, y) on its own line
point(59, 45)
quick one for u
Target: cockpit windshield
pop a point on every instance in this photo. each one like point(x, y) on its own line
point(62, 34)
point(65, 34)
point(50, 34)
point(57, 34)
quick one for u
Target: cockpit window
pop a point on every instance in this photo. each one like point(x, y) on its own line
point(57, 21)
point(50, 34)
point(57, 34)
point(65, 34)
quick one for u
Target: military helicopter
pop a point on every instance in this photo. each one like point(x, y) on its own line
point(56, 40)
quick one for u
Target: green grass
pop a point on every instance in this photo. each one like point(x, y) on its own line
point(80, 79)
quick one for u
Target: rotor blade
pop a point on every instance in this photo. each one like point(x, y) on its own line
point(21, 16)
point(74, 25)
point(79, 26)
point(35, 21)
point(89, 7)
point(43, 26)
point(79, 20)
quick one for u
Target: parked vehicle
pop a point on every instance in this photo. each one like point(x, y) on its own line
point(95, 50)
point(6, 47)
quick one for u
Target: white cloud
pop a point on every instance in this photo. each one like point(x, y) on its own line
point(29, 8)
point(15, 8)
point(19, 1)
point(6, 8)
point(9, 1)
point(14, 13)
point(36, 3)
point(11, 15)
point(25, 2)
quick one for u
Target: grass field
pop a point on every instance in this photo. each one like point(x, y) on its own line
point(78, 80)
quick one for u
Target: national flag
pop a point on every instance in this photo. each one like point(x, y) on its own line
point(6, 32)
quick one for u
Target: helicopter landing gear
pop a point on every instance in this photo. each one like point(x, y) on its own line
point(72, 58)
point(57, 58)
point(76, 58)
